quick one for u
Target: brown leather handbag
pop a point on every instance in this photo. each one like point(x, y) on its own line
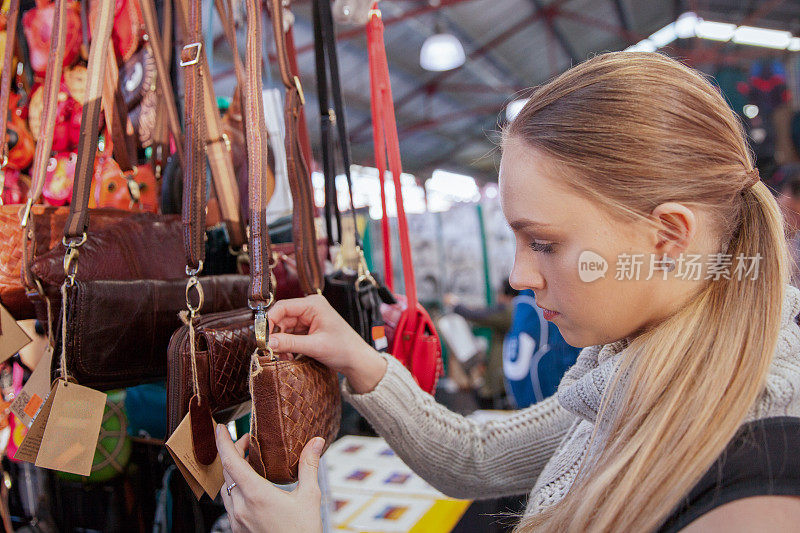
point(44, 228)
point(297, 398)
point(122, 287)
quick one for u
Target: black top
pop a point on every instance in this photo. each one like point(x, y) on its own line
point(763, 459)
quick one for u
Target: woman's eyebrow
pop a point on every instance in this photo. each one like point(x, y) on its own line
point(527, 224)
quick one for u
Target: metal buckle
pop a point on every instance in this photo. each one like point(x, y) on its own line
point(300, 90)
point(332, 116)
point(197, 47)
point(261, 327)
point(376, 12)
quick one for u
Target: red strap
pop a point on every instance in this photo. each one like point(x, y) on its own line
point(385, 138)
point(380, 163)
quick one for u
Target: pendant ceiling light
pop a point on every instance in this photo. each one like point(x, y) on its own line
point(441, 51)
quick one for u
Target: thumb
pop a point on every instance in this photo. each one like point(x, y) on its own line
point(309, 466)
point(287, 342)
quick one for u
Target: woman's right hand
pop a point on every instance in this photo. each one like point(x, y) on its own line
point(310, 326)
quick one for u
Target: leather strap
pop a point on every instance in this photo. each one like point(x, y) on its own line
point(194, 171)
point(328, 63)
point(260, 294)
point(305, 235)
point(161, 57)
point(161, 132)
point(387, 143)
point(78, 218)
point(12, 18)
point(116, 114)
point(52, 84)
point(217, 147)
point(302, 133)
point(225, 11)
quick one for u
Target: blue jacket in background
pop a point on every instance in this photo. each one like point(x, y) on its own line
point(535, 355)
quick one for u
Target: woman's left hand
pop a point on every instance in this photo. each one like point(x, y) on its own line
point(255, 504)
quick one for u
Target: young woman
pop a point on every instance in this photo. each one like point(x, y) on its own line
point(647, 237)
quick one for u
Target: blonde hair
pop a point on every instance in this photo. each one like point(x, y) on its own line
point(636, 130)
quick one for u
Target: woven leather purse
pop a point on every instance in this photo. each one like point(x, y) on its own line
point(294, 398)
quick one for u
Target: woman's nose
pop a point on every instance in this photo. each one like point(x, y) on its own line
point(525, 276)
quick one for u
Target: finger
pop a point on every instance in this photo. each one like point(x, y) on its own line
point(243, 444)
point(301, 309)
point(286, 323)
point(308, 481)
point(289, 342)
point(233, 463)
point(226, 499)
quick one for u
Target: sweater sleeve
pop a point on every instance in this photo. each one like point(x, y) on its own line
point(461, 457)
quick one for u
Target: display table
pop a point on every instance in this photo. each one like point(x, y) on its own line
point(371, 489)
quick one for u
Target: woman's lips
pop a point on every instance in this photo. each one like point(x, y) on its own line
point(548, 314)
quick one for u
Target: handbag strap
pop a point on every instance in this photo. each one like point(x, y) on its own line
point(116, 115)
point(12, 18)
point(387, 144)
point(161, 131)
point(261, 289)
point(160, 47)
point(217, 144)
point(194, 171)
point(304, 236)
point(225, 11)
point(52, 83)
point(78, 218)
point(327, 64)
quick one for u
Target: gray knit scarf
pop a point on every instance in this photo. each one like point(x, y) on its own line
point(583, 386)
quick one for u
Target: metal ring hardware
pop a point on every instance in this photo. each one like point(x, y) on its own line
point(188, 48)
point(194, 283)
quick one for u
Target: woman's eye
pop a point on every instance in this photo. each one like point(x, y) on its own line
point(541, 247)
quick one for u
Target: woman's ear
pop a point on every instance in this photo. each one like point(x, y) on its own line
point(676, 226)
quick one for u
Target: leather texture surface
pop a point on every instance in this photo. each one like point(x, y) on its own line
point(293, 402)
point(225, 342)
point(118, 332)
point(138, 246)
point(48, 229)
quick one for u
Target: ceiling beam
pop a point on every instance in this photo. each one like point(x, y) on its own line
point(432, 83)
point(507, 75)
point(549, 14)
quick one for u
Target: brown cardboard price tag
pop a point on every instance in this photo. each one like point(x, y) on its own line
point(35, 391)
point(12, 337)
point(64, 434)
point(200, 478)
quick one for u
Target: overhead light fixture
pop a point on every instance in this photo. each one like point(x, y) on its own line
point(685, 25)
point(715, 31)
point(440, 52)
point(690, 25)
point(645, 45)
point(664, 36)
point(513, 108)
point(762, 37)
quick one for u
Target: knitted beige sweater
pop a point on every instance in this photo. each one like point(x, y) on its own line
point(535, 450)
